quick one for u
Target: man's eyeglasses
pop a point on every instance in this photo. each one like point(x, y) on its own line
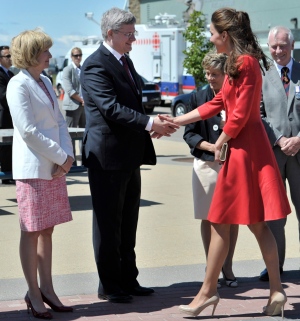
point(7, 56)
point(77, 56)
point(128, 34)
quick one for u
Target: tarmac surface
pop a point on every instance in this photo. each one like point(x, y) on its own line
point(169, 251)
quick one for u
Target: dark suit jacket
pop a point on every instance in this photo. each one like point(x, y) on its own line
point(5, 117)
point(115, 137)
point(203, 129)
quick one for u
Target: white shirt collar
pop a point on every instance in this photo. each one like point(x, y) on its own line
point(74, 66)
point(289, 65)
point(112, 51)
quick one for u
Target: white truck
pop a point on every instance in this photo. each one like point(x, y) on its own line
point(158, 56)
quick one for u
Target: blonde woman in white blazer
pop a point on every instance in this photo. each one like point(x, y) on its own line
point(42, 155)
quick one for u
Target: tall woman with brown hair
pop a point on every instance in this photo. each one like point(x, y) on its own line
point(249, 188)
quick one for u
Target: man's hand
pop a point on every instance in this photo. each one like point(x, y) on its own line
point(163, 127)
point(281, 141)
point(290, 146)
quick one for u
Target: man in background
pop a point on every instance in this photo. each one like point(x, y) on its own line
point(5, 117)
point(280, 107)
point(73, 102)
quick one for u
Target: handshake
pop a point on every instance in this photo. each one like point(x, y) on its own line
point(163, 125)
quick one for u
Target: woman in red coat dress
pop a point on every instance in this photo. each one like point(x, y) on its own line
point(249, 189)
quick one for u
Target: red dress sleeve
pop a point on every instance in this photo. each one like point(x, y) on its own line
point(212, 107)
point(246, 90)
point(237, 98)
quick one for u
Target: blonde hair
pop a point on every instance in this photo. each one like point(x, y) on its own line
point(214, 60)
point(27, 46)
point(75, 48)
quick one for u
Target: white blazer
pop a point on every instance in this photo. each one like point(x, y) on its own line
point(41, 138)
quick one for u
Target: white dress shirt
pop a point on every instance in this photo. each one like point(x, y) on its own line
point(118, 57)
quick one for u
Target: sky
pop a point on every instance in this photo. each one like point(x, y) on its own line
point(63, 20)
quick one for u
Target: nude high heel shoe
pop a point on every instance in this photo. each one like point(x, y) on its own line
point(214, 300)
point(276, 306)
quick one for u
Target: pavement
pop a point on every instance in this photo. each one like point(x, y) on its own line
point(169, 251)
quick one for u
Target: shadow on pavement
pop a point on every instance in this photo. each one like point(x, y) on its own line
point(244, 302)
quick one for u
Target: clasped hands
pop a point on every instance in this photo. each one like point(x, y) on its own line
point(163, 125)
point(61, 170)
point(290, 146)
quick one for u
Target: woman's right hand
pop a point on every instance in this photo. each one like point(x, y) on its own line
point(58, 171)
point(217, 156)
point(68, 164)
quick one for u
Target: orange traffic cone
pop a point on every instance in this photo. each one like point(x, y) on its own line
point(62, 93)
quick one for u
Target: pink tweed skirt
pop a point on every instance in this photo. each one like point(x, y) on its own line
point(42, 203)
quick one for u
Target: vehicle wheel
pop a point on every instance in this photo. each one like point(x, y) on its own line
point(179, 109)
point(149, 109)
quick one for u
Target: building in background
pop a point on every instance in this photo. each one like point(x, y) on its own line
point(157, 52)
point(263, 14)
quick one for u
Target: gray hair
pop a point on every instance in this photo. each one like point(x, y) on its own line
point(214, 60)
point(114, 19)
point(287, 31)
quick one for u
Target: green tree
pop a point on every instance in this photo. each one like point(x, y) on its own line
point(198, 46)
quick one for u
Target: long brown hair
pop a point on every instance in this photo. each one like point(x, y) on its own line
point(237, 25)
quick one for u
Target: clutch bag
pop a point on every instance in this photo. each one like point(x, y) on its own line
point(223, 152)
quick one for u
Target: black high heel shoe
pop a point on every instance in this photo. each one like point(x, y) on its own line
point(229, 282)
point(39, 315)
point(54, 307)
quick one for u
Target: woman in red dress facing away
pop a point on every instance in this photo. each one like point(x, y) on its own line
point(249, 188)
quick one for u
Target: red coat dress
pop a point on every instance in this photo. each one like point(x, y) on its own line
point(249, 187)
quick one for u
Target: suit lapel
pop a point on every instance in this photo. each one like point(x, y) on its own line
point(53, 96)
point(278, 86)
point(75, 78)
point(295, 78)
point(4, 74)
point(135, 76)
point(40, 92)
point(112, 59)
point(276, 81)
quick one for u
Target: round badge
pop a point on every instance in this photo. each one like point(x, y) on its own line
point(215, 127)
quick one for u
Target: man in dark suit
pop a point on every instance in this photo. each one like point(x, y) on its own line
point(5, 118)
point(280, 113)
point(115, 144)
